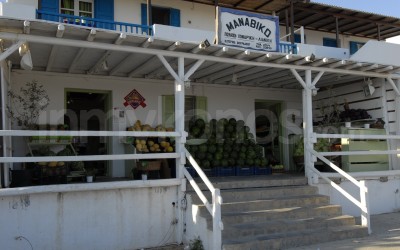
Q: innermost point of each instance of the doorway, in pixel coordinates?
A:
(88, 110)
(269, 130)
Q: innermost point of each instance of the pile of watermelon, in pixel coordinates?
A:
(229, 144)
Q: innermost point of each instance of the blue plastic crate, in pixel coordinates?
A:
(191, 171)
(262, 171)
(210, 172)
(226, 171)
(245, 170)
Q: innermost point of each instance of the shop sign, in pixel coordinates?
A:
(247, 30)
(134, 99)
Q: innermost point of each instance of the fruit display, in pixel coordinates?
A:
(151, 144)
(229, 144)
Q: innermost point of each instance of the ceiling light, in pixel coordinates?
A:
(26, 61)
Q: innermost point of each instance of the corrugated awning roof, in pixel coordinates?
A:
(321, 17)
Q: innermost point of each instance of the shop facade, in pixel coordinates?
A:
(165, 68)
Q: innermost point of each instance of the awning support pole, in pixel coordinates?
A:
(309, 140)
(5, 179)
(395, 88)
(10, 50)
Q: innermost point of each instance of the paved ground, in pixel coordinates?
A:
(385, 235)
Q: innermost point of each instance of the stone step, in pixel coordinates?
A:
(277, 214)
(256, 205)
(284, 226)
(249, 194)
(295, 239)
(251, 181)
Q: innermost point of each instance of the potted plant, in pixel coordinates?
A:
(90, 174)
(27, 104)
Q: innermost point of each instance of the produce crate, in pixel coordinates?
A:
(244, 171)
(226, 171)
(262, 171)
(210, 172)
(149, 165)
(191, 171)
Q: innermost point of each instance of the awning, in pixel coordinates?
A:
(72, 49)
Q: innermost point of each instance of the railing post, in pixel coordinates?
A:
(217, 223)
(364, 199)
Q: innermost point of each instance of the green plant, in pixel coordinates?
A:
(322, 145)
(27, 105)
(196, 244)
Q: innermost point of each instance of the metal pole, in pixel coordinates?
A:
(378, 27)
(337, 32)
(4, 125)
(292, 22)
(149, 15)
(180, 143)
(308, 161)
(287, 24)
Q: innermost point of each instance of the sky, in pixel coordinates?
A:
(383, 7)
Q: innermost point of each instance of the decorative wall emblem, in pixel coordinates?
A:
(134, 99)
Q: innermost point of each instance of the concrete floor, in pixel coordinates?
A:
(385, 235)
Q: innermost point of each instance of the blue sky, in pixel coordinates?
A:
(383, 7)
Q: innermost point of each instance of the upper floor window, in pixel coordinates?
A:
(162, 15)
(329, 42)
(355, 46)
(82, 8)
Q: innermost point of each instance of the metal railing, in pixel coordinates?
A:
(363, 203)
(94, 22)
(214, 208)
(288, 48)
(22, 133)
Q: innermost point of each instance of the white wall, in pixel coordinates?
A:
(123, 218)
(195, 16)
(237, 102)
(384, 197)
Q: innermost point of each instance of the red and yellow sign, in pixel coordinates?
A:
(134, 99)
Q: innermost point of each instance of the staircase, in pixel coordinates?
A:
(276, 212)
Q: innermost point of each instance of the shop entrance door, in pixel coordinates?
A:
(89, 110)
(269, 129)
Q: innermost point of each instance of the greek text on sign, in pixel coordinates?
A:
(247, 30)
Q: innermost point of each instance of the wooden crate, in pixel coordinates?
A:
(361, 163)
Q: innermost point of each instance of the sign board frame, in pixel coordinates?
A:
(247, 30)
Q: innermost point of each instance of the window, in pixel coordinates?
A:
(195, 106)
(297, 38)
(355, 46)
(82, 8)
(162, 15)
(329, 42)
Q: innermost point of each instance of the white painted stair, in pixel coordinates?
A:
(276, 212)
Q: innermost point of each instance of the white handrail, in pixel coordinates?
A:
(87, 133)
(356, 136)
(196, 188)
(215, 210)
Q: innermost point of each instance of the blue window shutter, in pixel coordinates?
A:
(144, 13)
(143, 8)
(175, 17)
(50, 6)
(104, 10)
(353, 47)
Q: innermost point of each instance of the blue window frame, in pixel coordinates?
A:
(329, 42)
(355, 46)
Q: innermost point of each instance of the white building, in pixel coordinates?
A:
(89, 55)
